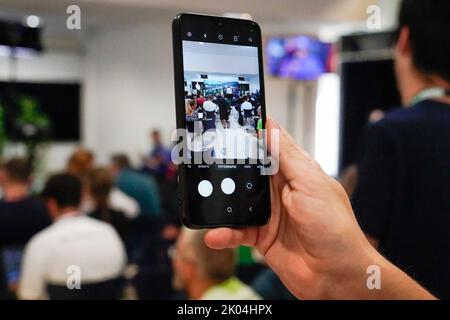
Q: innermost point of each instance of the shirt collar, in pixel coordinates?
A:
(69, 214)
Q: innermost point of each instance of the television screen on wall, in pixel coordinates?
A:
(55, 105)
(299, 57)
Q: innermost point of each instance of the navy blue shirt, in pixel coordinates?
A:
(403, 193)
(19, 221)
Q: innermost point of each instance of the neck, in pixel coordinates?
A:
(197, 288)
(15, 192)
(417, 83)
(67, 210)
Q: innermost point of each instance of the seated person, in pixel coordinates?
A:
(80, 164)
(191, 115)
(210, 108)
(100, 187)
(21, 214)
(207, 274)
(247, 110)
(72, 241)
(141, 187)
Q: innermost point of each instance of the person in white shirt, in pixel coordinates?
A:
(117, 200)
(74, 245)
(120, 201)
(207, 274)
(209, 105)
(247, 109)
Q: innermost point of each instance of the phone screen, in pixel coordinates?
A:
(223, 117)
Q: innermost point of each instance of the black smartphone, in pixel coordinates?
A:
(220, 108)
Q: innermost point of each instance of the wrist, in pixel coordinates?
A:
(351, 282)
(371, 276)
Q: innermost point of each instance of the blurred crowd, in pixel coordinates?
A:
(114, 233)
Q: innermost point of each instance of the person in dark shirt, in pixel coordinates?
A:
(21, 215)
(402, 198)
(224, 110)
(158, 159)
(100, 184)
(141, 187)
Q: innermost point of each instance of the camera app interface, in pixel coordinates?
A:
(223, 122)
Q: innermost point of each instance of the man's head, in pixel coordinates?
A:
(156, 137)
(16, 171)
(197, 267)
(422, 51)
(62, 193)
(81, 162)
(119, 162)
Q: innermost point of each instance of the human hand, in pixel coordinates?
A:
(312, 241)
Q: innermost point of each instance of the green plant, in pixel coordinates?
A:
(33, 126)
(30, 114)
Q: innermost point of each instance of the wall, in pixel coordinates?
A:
(129, 88)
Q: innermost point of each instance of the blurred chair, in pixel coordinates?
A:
(248, 114)
(210, 121)
(107, 290)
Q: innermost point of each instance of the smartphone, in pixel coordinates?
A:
(220, 109)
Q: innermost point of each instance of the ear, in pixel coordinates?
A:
(52, 207)
(403, 46)
(189, 269)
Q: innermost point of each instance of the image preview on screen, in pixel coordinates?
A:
(222, 100)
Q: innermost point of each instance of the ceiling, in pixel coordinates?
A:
(264, 11)
(275, 16)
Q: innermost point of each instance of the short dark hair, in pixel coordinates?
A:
(64, 188)
(18, 169)
(429, 25)
(121, 160)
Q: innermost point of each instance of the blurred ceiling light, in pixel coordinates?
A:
(6, 51)
(33, 21)
(238, 15)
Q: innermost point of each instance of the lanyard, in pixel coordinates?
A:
(430, 93)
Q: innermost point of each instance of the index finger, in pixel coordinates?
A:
(222, 238)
